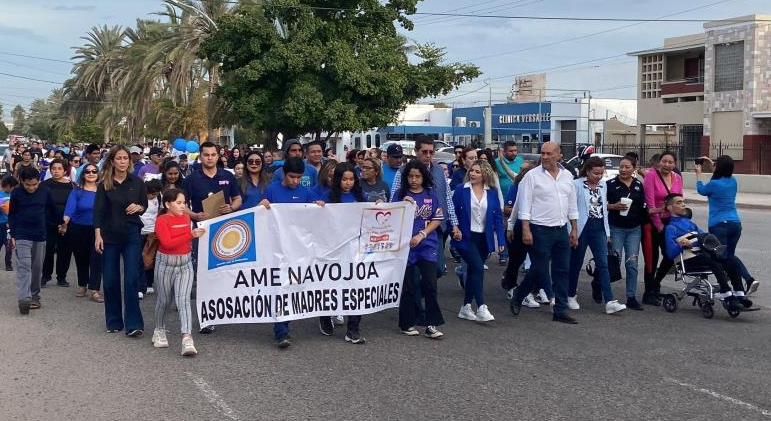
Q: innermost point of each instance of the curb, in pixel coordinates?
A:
(756, 206)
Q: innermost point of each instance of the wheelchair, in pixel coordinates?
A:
(696, 282)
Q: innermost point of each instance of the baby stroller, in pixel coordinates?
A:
(696, 281)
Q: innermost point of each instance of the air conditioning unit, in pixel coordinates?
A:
(474, 124)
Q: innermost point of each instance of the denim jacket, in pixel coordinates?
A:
(582, 196)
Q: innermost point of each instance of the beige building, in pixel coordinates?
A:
(714, 90)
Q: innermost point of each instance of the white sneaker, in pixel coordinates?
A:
(486, 267)
(530, 302)
(159, 339)
(542, 298)
(150, 290)
(614, 307)
(338, 320)
(573, 303)
(188, 349)
(467, 313)
(483, 314)
(510, 293)
(411, 332)
(723, 295)
(141, 296)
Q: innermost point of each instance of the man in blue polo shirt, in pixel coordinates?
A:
(202, 183)
(392, 165)
(293, 149)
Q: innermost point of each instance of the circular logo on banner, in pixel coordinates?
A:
(231, 240)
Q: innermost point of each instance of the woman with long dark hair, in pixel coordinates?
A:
(57, 246)
(416, 187)
(326, 175)
(658, 184)
(254, 181)
(724, 221)
(120, 199)
(171, 175)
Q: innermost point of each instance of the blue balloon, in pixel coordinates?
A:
(192, 146)
(180, 144)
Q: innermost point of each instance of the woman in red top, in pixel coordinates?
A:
(174, 268)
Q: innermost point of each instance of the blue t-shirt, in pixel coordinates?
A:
(4, 198)
(199, 186)
(253, 196)
(721, 195)
(80, 207)
(321, 193)
(310, 176)
(279, 193)
(427, 209)
(389, 174)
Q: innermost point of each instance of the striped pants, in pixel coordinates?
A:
(173, 272)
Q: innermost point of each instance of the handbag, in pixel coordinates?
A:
(149, 250)
(614, 266)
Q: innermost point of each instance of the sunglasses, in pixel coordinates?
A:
(91, 172)
(254, 162)
(76, 161)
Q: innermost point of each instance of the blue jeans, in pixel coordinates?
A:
(550, 245)
(626, 242)
(280, 330)
(593, 236)
(729, 233)
(474, 256)
(130, 250)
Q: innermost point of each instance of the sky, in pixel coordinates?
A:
(502, 48)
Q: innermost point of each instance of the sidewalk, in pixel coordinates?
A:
(743, 200)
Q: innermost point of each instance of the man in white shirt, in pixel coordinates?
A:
(546, 203)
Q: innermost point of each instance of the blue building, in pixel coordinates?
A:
(520, 122)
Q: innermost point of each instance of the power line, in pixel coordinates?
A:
(30, 78)
(467, 7)
(33, 68)
(494, 9)
(5, 53)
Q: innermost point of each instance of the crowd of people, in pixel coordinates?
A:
(141, 205)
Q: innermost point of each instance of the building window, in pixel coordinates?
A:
(729, 67)
(652, 74)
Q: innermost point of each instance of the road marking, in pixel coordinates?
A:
(734, 401)
(213, 397)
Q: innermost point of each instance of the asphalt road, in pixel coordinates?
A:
(59, 364)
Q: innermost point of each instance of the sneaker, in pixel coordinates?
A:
(338, 320)
(134, 333)
(732, 304)
(150, 290)
(486, 268)
(411, 332)
(159, 339)
(650, 299)
(326, 326)
(206, 330)
(541, 297)
(752, 286)
(614, 307)
(510, 293)
(530, 302)
(354, 338)
(632, 303)
(141, 296)
(503, 262)
(284, 342)
(484, 315)
(9, 268)
(744, 301)
(188, 348)
(34, 304)
(467, 313)
(573, 303)
(64, 284)
(24, 307)
(723, 295)
(433, 333)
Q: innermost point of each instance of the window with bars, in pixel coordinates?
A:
(729, 67)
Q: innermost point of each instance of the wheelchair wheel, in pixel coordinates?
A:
(669, 302)
(734, 313)
(707, 311)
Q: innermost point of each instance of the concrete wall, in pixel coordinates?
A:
(654, 111)
(760, 184)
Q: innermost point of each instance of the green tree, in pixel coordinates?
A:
(19, 120)
(4, 132)
(290, 67)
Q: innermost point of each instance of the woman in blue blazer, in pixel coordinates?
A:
(480, 218)
(593, 232)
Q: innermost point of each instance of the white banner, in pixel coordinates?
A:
(298, 261)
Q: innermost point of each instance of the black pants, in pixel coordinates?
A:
(407, 315)
(517, 255)
(725, 270)
(146, 276)
(655, 271)
(57, 244)
(87, 261)
(4, 243)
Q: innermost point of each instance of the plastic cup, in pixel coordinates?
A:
(626, 201)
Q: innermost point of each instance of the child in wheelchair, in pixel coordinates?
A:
(683, 236)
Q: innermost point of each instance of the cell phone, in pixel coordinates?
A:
(699, 161)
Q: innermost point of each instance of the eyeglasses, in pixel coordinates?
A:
(428, 152)
(91, 172)
(254, 162)
(76, 161)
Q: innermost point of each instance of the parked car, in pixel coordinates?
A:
(3, 148)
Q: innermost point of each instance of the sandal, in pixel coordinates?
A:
(81, 292)
(96, 297)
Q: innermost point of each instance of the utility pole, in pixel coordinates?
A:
(489, 116)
